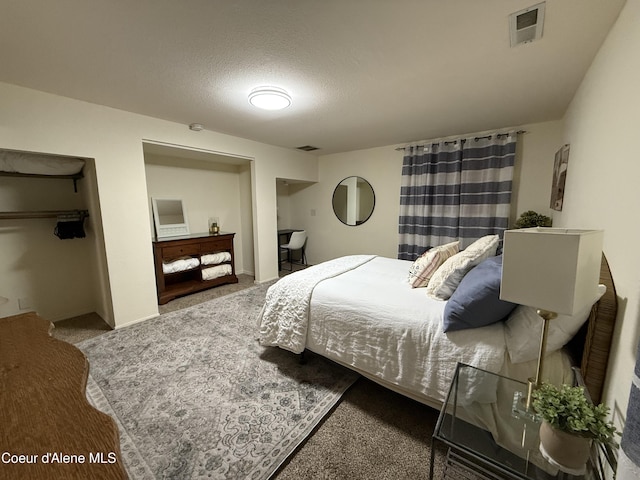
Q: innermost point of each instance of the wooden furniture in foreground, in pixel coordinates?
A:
(172, 285)
(48, 430)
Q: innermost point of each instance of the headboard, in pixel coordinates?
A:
(592, 343)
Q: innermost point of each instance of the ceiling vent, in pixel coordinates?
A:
(526, 25)
(307, 148)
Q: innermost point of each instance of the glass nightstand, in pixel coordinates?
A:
(485, 433)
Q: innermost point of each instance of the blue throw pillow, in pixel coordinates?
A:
(476, 302)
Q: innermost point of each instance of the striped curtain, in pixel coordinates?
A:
(455, 190)
(629, 461)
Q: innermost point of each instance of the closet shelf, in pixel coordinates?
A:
(79, 214)
(75, 177)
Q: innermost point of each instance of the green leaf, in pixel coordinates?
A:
(567, 408)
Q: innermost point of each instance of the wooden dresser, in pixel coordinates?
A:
(48, 430)
(208, 260)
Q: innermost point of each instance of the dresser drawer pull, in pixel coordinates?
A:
(179, 251)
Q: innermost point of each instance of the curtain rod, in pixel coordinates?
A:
(480, 137)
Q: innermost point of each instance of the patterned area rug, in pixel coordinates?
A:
(196, 396)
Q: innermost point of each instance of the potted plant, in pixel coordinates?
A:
(533, 219)
(570, 423)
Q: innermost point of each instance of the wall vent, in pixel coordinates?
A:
(307, 148)
(526, 25)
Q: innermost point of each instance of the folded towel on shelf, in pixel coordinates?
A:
(215, 272)
(215, 258)
(180, 265)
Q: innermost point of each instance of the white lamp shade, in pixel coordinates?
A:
(553, 269)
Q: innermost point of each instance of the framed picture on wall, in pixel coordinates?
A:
(559, 178)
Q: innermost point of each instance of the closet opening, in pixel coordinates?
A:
(213, 187)
(53, 260)
(291, 218)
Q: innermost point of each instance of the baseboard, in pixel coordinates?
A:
(259, 282)
(133, 322)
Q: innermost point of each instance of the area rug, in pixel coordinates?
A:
(195, 396)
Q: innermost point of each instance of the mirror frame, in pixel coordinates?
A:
(335, 193)
(164, 230)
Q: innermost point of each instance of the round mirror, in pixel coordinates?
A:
(353, 201)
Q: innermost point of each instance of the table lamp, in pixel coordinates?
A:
(555, 270)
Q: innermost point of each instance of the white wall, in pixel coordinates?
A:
(330, 238)
(283, 204)
(535, 155)
(247, 244)
(40, 122)
(601, 125)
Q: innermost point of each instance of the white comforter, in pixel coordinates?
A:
(284, 318)
(370, 319)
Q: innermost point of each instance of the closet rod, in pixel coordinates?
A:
(81, 214)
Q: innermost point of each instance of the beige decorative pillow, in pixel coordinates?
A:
(427, 263)
(447, 278)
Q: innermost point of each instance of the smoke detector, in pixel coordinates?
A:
(526, 25)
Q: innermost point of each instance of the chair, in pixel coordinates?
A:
(296, 242)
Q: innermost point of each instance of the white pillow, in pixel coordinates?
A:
(446, 279)
(524, 327)
(427, 263)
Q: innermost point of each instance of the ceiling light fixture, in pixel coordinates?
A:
(269, 98)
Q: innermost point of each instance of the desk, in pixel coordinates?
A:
(44, 412)
(284, 236)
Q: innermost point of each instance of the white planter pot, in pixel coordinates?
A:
(563, 450)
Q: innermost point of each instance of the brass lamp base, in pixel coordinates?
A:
(546, 316)
(523, 406)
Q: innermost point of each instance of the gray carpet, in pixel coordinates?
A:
(372, 433)
(195, 396)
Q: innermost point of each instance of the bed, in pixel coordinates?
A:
(361, 312)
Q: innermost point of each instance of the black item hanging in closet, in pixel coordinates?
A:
(70, 227)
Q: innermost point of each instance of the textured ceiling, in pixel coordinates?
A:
(362, 73)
